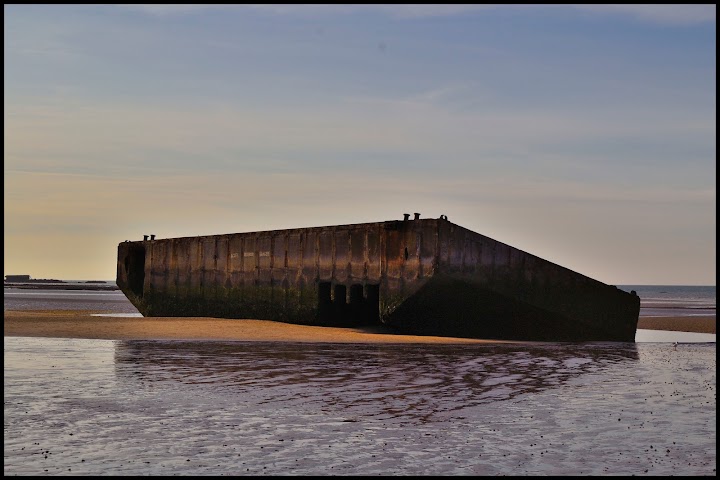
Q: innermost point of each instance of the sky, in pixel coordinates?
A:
(584, 135)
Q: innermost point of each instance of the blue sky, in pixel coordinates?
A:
(581, 134)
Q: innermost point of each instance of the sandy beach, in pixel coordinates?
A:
(83, 324)
(679, 324)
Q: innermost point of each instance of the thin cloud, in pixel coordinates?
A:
(170, 9)
(665, 14)
(680, 14)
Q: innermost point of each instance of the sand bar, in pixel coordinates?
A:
(704, 324)
(82, 324)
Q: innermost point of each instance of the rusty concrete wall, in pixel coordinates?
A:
(590, 304)
(288, 275)
(499, 291)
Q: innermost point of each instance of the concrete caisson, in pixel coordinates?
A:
(419, 276)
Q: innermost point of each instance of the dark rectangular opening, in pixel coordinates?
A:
(356, 306)
(135, 269)
(371, 314)
(359, 310)
(340, 294)
(324, 303)
(340, 305)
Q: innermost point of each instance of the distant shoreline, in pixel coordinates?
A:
(62, 285)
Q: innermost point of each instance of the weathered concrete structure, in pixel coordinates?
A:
(421, 276)
(17, 278)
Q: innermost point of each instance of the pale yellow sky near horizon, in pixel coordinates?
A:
(535, 126)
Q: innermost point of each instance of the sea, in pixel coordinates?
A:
(107, 407)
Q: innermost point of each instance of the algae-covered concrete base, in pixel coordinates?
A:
(422, 276)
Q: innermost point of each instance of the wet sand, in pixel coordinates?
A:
(82, 324)
(679, 324)
(100, 407)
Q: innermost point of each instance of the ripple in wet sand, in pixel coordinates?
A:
(100, 407)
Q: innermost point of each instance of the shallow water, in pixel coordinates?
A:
(101, 407)
(39, 299)
(654, 336)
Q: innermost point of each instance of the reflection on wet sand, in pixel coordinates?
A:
(417, 383)
(101, 407)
